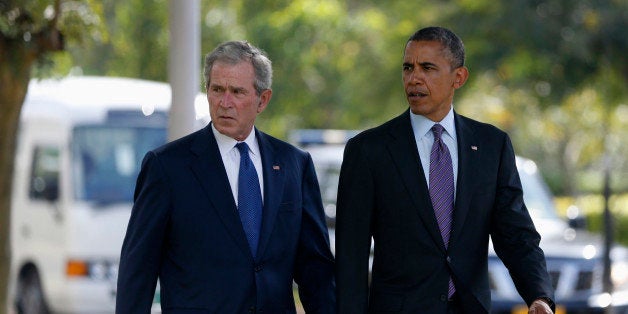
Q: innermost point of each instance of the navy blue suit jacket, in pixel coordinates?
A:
(383, 194)
(186, 231)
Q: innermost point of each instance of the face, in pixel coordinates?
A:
(429, 80)
(233, 102)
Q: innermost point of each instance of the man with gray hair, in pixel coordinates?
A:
(228, 217)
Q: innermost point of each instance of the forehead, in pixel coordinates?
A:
(241, 73)
(424, 51)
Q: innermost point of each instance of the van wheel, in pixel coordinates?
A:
(30, 297)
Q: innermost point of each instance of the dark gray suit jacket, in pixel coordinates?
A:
(383, 193)
(185, 230)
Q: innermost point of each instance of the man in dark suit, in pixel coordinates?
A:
(227, 217)
(429, 187)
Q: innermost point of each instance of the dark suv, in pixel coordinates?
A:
(574, 256)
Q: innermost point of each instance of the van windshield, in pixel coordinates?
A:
(107, 159)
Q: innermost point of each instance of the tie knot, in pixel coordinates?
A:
(243, 148)
(437, 129)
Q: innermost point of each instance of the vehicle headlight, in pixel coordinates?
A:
(600, 300)
(589, 251)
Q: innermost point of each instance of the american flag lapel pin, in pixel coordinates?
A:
(275, 167)
(473, 147)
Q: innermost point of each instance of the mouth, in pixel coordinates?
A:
(226, 118)
(416, 94)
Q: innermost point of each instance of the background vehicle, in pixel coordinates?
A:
(574, 256)
(80, 144)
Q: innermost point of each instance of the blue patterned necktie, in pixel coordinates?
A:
(249, 198)
(442, 188)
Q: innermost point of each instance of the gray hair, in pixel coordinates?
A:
(233, 52)
(450, 41)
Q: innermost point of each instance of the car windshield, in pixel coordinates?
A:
(106, 160)
(536, 194)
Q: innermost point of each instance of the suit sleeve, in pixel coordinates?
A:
(514, 236)
(314, 266)
(141, 249)
(354, 210)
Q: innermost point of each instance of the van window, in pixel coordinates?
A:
(107, 159)
(44, 182)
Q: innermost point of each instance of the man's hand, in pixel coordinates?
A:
(540, 307)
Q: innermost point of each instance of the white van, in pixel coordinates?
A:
(80, 144)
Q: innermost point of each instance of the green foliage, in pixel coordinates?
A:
(18, 17)
(553, 41)
(592, 207)
(81, 20)
(552, 73)
(136, 44)
(76, 19)
(29, 31)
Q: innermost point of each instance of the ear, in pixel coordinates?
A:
(462, 74)
(264, 99)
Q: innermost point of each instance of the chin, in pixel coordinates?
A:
(225, 130)
(419, 109)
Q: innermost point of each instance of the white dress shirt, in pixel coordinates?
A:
(422, 128)
(231, 159)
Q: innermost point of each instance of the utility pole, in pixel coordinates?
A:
(608, 232)
(183, 65)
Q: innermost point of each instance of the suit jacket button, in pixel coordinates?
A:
(443, 297)
(258, 268)
(252, 309)
(448, 260)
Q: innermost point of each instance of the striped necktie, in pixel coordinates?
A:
(442, 188)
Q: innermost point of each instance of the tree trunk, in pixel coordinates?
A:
(15, 69)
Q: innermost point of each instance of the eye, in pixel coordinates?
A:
(406, 68)
(239, 92)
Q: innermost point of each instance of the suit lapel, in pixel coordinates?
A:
(467, 165)
(273, 170)
(405, 155)
(210, 172)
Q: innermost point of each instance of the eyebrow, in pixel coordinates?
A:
(230, 88)
(238, 89)
(422, 64)
(425, 64)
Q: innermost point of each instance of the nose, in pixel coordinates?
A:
(225, 100)
(416, 76)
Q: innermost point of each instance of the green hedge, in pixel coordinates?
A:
(592, 207)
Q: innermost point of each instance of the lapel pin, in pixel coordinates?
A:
(275, 167)
(474, 147)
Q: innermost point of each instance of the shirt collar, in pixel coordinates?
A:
(226, 143)
(422, 125)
